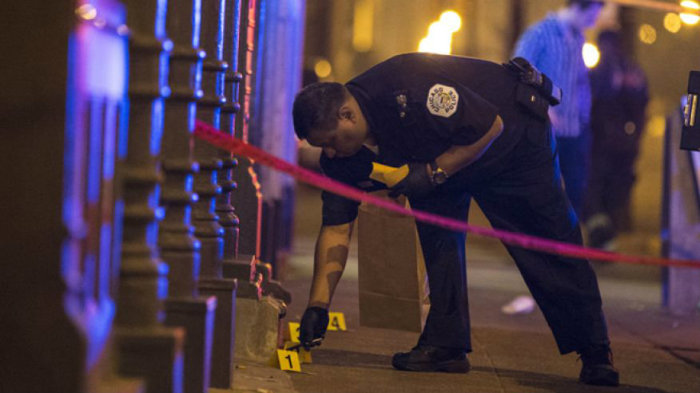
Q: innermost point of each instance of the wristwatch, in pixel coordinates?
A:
(437, 174)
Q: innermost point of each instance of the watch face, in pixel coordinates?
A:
(439, 176)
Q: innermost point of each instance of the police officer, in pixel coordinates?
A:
(456, 128)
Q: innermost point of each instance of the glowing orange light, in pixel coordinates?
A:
(672, 22)
(591, 55)
(439, 38)
(86, 11)
(688, 18)
(647, 34)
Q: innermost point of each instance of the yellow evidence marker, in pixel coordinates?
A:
(336, 321)
(294, 331)
(304, 355)
(288, 360)
(388, 175)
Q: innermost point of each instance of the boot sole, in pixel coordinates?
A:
(602, 382)
(601, 377)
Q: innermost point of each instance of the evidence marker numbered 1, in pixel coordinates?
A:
(304, 355)
(288, 360)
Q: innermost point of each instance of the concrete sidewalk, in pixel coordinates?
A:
(511, 353)
(655, 352)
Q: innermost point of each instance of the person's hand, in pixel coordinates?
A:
(313, 327)
(417, 182)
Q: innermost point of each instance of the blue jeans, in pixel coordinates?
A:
(573, 161)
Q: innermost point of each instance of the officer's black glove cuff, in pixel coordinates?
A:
(313, 327)
(416, 184)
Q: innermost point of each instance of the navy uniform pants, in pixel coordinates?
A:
(523, 195)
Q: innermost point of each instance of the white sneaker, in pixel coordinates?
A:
(520, 305)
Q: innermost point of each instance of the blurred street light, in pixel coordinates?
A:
(322, 68)
(363, 25)
(690, 18)
(672, 22)
(439, 38)
(647, 34)
(688, 10)
(86, 12)
(591, 55)
(451, 20)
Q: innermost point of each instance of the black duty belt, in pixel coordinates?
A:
(536, 92)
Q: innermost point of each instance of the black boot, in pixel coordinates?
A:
(598, 367)
(430, 358)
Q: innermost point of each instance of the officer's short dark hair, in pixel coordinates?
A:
(316, 107)
(583, 3)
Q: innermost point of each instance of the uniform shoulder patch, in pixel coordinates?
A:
(442, 100)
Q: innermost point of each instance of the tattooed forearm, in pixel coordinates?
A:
(337, 254)
(332, 278)
(329, 263)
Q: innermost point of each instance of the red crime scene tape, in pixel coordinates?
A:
(236, 146)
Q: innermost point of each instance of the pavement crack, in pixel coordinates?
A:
(673, 351)
(491, 364)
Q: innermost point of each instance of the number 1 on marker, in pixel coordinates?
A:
(288, 360)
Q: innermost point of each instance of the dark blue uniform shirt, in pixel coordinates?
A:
(417, 106)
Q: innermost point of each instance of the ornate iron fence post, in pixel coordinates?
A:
(178, 244)
(207, 227)
(227, 213)
(248, 195)
(214, 186)
(143, 279)
(184, 306)
(240, 262)
(234, 266)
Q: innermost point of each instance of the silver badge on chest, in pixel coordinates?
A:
(442, 100)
